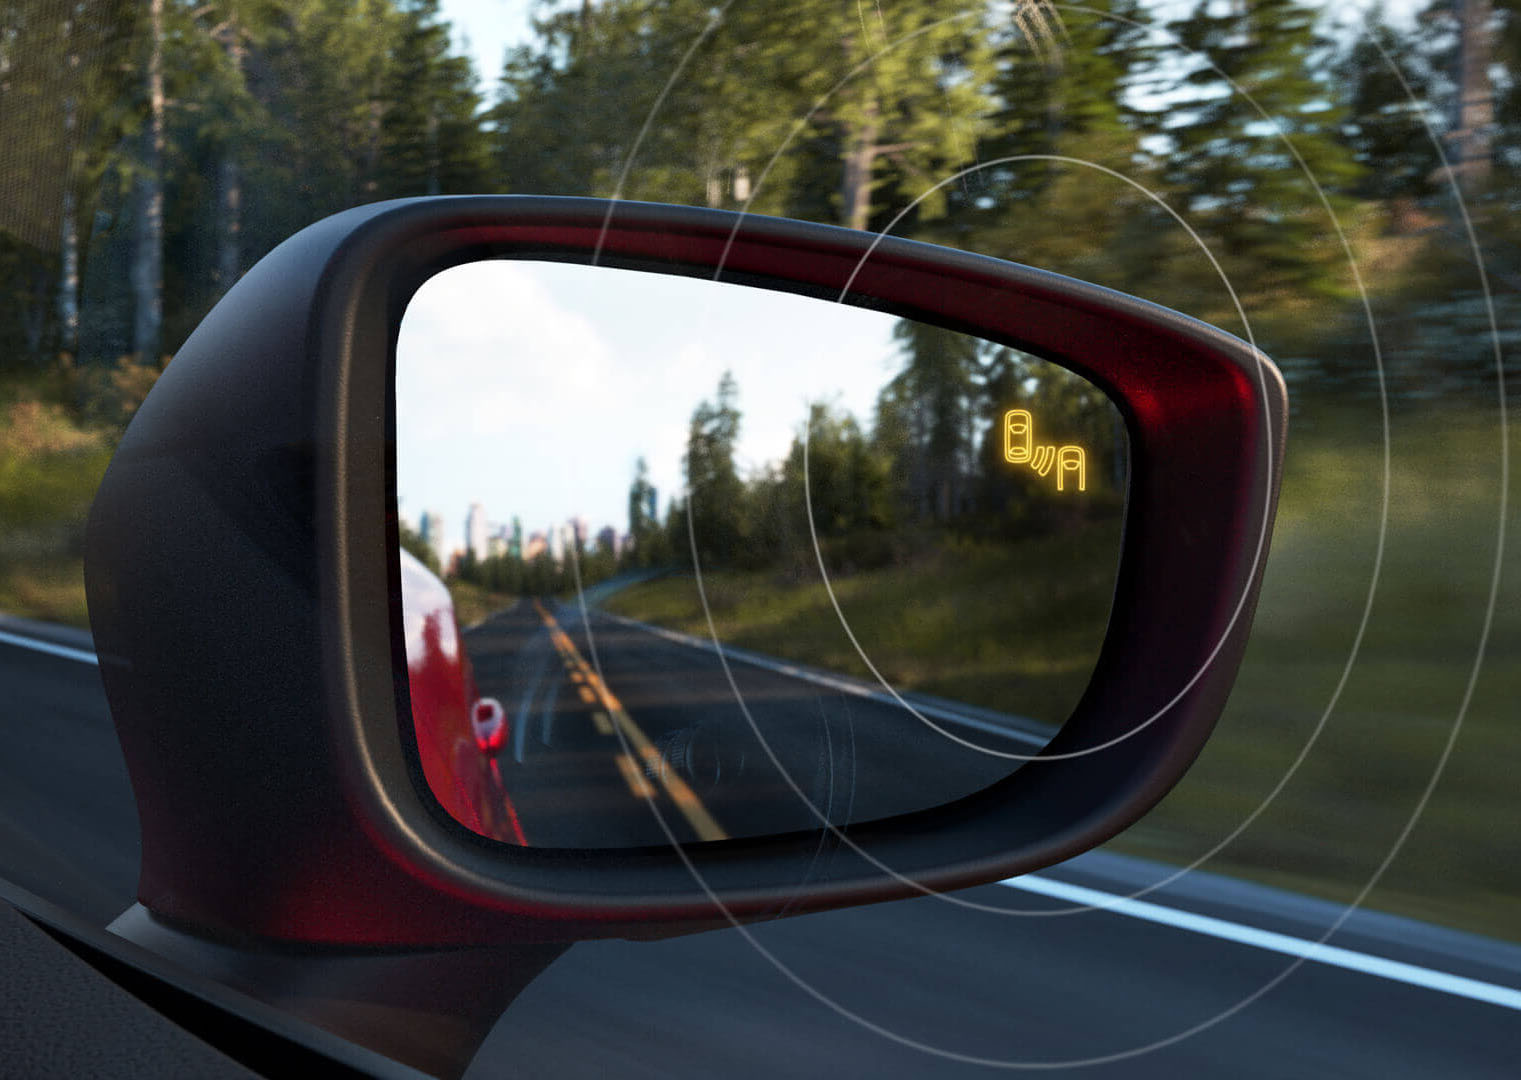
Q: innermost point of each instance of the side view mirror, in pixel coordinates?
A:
(245, 573)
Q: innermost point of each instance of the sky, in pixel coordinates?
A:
(533, 387)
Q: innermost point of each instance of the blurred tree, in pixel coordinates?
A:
(430, 141)
(925, 417)
(895, 96)
(1072, 98)
(1384, 128)
(62, 114)
(715, 494)
(1233, 172)
(642, 522)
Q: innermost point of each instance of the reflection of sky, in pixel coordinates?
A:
(531, 388)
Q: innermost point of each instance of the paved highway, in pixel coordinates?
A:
(606, 714)
(1398, 999)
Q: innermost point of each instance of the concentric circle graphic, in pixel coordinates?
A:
(1469, 687)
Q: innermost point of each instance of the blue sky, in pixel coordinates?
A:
(532, 388)
(492, 26)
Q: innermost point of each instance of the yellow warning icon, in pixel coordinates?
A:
(1020, 448)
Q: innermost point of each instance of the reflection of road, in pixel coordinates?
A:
(572, 686)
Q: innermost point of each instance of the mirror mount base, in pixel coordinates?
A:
(427, 1008)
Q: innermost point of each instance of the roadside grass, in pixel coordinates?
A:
(1335, 820)
(1331, 826)
(48, 589)
(955, 622)
(50, 467)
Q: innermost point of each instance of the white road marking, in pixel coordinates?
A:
(1222, 929)
(84, 656)
(525, 703)
(1242, 934)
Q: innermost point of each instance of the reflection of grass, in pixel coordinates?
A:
(472, 603)
(955, 623)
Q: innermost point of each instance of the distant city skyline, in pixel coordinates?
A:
(489, 538)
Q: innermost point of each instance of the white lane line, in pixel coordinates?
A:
(856, 689)
(525, 703)
(1334, 955)
(84, 656)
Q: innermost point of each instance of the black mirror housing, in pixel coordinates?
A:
(242, 574)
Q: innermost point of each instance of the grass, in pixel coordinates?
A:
(50, 590)
(1364, 778)
(1362, 781)
(50, 466)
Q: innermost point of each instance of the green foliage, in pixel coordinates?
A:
(642, 522)
(1235, 169)
(1384, 126)
(715, 495)
(49, 465)
(430, 137)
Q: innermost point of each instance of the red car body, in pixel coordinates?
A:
(459, 733)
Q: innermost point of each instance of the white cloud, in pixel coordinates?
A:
(533, 387)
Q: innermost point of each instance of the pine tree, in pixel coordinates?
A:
(1068, 97)
(1385, 128)
(1230, 169)
(430, 141)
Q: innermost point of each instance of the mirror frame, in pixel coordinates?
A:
(269, 753)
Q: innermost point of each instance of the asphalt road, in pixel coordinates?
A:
(1404, 999)
(606, 714)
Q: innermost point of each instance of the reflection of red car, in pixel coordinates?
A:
(459, 733)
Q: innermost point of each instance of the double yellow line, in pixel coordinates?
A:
(593, 690)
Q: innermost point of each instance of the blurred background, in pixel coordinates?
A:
(153, 150)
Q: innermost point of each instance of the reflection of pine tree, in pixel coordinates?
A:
(715, 494)
(641, 518)
(924, 416)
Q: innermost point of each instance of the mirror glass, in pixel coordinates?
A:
(707, 558)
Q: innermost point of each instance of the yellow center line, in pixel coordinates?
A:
(684, 797)
(603, 725)
(633, 777)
